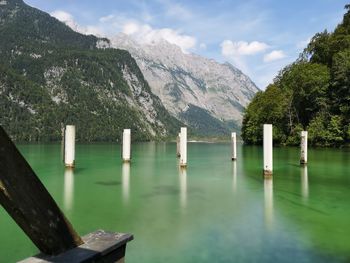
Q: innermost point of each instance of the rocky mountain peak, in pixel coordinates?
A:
(184, 81)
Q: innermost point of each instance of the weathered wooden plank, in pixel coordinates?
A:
(29, 203)
(99, 246)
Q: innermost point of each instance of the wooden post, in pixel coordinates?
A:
(303, 148)
(234, 146)
(69, 146)
(28, 202)
(178, 145)
(267, 150)
(126, 145)
(183, 147)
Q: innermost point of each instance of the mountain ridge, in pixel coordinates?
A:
(54, 76)
(63, 63)
(181, 79)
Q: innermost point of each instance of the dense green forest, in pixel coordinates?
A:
(312, 94)
(51, 76)
(206, 126)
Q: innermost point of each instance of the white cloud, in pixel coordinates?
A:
(107, 18)
(68, 19)
(93, 30)
(134, 28)
(242, 48)
(274, 55)
(236, 52)
(144, 33)
(202, 46)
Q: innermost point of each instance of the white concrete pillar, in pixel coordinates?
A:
(178, 145)
(303, 148)
(234, 146)
(268, 149)
(69, 146)
(183, 147)
(126, 150)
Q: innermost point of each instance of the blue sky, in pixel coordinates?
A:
(259, 37)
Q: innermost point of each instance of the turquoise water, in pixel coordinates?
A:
(214, 211)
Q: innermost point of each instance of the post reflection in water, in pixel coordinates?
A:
(126, 181)
(183, 187)
(68, 188)
(234, 176)
(304, 183)
(268, 194)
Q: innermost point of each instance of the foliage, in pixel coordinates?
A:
(340, 87)
(51, 76)
(311, 94)
(203, 123)
(267, 107)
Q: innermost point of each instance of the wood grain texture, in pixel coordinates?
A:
(28, 202)
(99, 246)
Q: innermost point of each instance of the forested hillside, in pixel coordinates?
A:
(51, 76)
(311, 94)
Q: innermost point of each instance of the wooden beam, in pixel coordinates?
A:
(99, 246)
(28, 202)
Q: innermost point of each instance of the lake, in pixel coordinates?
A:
(214, 211)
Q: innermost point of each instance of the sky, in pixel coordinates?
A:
(259, 37)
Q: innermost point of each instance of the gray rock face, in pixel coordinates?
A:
(183, 80)
(51, 75)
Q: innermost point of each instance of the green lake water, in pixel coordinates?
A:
(214, 211)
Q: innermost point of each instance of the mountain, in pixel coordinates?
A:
(206, 95)
(51, 75)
